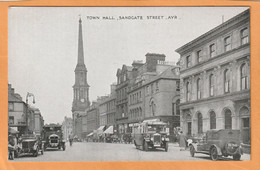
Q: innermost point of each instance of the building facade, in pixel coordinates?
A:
(21, 116)
(67, 127)
(124, 75)
(154, 92)
(35, 121)
(92, 117)
(80, 88)
(17, 110)
(215, 79)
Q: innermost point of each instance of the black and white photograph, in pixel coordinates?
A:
(93, 84)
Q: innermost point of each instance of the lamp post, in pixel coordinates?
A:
(27, 96)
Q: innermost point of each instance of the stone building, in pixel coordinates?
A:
(23, 117)
(123, 78)
(35, 121)
(215, 79)
(80, 88)
(107, 111)
(102, 111)
(67, 127)
(92, 117)
(17, 110)
(154, 91)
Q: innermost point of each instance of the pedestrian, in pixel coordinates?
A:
(182, 141)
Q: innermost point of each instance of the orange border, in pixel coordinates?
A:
(255, 69)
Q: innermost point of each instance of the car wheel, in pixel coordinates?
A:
(36, 152)
(145, 145)
(166, 147)
(192, 151)
(237, 157)
(135, 144)
(214, 154)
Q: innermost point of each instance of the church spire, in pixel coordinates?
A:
(80, 45)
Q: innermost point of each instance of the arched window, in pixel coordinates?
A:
(188, 88)
(227, 81)
(153, 108)
(198, 88)
(244, 36)
(228, 119)
(200, 123)
(243, 73)
(212, 120)
(211, 85)
(178, 107)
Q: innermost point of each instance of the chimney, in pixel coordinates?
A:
(152, 60)
(137, 63)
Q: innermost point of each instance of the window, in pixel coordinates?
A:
(199, 56)
(243, 74)
(188, 88)
(211, 85)
(173, 108)
(227, 81)
(244, 36)
(198, 88)
(178, 107)
(177, 85)
(228, 119)
(200, 123)
(147, 89)
(245, 122)
(189, 128)
(188, 59)
(212, 50)
(227, 42)
(10, 106)
(153, 108)
(212, 120)
(124, 77)
(11, 120)
(157, 86)
(152, 88)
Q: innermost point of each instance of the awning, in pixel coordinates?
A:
(109, 130)
(90, 134)
(101, 128)
(12, 131)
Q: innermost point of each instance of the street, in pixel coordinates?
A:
(84, 151)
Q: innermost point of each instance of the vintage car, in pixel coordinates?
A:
(150, 134)
(217, 143)
(53, 138)
(28, 144)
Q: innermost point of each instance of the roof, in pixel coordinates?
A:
(222, 26)
(13, 98)
(52, 125)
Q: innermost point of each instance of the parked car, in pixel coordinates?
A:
(218, 143)
(29, 144)
(53, 138)
(151, 134)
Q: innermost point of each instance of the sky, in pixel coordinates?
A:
(43, 41)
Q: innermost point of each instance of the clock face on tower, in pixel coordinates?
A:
(82, 100)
